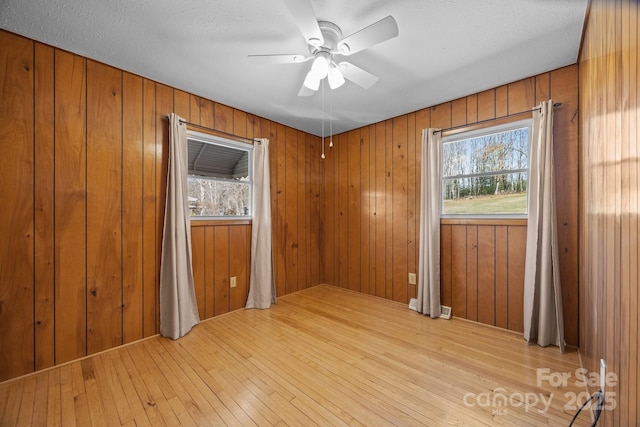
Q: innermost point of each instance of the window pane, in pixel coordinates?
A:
(209, 197)
(491, 153)
(491, 194)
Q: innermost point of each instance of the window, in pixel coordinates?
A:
(485, 172)
(220, 176)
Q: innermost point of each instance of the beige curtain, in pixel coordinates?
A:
(178, 306)
(543, 321)
(429, 256)
(262, 291)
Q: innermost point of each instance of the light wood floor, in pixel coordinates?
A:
(323, 356)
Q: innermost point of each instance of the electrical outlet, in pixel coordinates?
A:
(412, 278)
(232, 282)
(603, 375)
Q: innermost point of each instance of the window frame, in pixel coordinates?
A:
(479, 132)
(214, 139)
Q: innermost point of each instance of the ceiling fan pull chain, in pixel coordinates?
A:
(330, 120)
(322, 89)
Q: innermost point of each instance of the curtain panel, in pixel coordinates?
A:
(428, 301)
(543, 321)
(262, 290)
(178, 305)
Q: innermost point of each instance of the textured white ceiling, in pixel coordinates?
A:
(445, 49)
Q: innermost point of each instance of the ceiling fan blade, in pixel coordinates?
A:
(305, 91)
(380, 31)
(278, 59)
(305, 17)
(357, 75)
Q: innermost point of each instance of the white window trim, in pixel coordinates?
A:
(485, 131)
(225, 142)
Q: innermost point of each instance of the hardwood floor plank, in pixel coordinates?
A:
(25, 416)
(322, 356)
(53, 399)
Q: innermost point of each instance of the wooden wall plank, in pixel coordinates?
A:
(372, 208)
(104, 207)
(486, 274)
(182, 104)
(224, 118)
(445, 265)
(17, 189)
(308, 194)
(459, 270)
(210, 272)
(221, 287)
(502, 101)
(342, 194)
(365, 195)
(441, 116)
(194, 109)
(44, 178)
(516, 241)
(280, 244)
(273, 192)
(380, 211)
(291, 213)
(502, 291)
(316, 213)
(400, 202)
(521, 95)
(250, 127)
(472, 108)
(238, 253)
(353, 210)
(459, 112)
(413, 224)
(472, 272)
(70, 207)
(487, 105)
(240, 123)
(543, 88)
(625, 365)
(329, 235)
(149, 276)
(132, 202)
(198, 251)
(207, 113)
(389, 208)
(303, 210)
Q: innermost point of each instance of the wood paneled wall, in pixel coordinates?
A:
(482, 271)
(82, 178)
(371, 208)
(610, 183)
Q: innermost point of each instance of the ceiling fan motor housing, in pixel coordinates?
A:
(331, 34)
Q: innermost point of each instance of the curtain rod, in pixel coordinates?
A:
(557, 104)
(221, 132)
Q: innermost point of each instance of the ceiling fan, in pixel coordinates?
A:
(326, 44)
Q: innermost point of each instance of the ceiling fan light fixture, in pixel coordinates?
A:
(312, 81)
(320, 66)
(335, 77)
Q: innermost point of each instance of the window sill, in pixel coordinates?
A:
(197, 222)
(482, 221)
